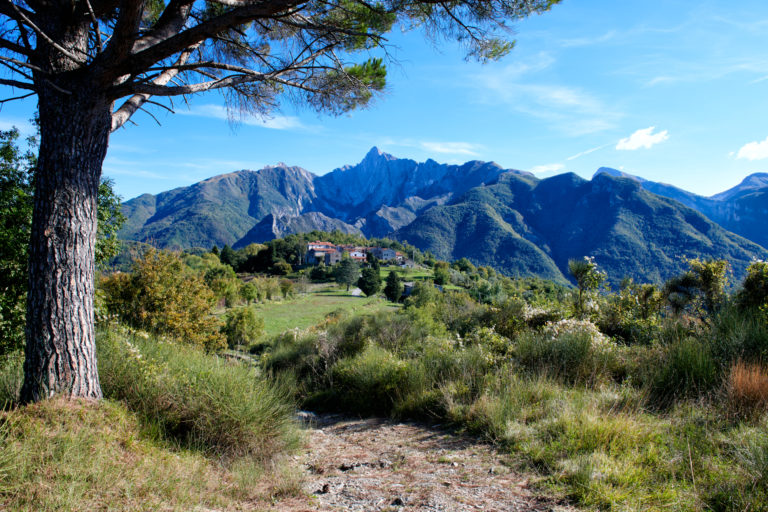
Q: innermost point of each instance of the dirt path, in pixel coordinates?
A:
(379, 465)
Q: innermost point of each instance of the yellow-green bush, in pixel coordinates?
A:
(163, 296)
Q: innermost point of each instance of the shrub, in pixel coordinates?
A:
(199, 400)
(571, 350)
(754, 289)
(373, 381)
(162, 297)
(242, 326)
(747, 389)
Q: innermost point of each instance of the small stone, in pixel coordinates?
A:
(454, 464)
(324, 490)
(492, 470)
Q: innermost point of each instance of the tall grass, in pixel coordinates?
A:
(194, 399)
(11, 377)
(747, 389)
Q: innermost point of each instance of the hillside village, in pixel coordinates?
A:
(330, 254)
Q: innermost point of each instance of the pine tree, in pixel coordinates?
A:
(369, 282)
(394, 287)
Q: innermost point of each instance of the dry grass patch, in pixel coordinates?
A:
(747, 388)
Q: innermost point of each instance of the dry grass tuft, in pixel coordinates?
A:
(747, 388)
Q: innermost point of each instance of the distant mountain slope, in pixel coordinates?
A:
(376, 196)
(526, 226)
(271, 227)
(742, 209)
(504, 218)
(219, 210)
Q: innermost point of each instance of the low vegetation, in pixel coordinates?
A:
(642, 398)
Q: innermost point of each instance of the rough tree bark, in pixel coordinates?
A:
(75, 121)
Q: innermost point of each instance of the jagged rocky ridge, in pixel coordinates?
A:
(504, 218)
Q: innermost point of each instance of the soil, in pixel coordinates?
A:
(382, 465)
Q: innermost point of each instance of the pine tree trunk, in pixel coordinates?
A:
(61, 350)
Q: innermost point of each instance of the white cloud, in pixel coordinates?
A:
(644, 138)
(754, 150)
(220, 112)
(451, 148)
(540, 169)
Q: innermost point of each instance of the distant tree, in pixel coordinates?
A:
(588, 279)
(286, 288)
(319, 272)
(227, 256)
(464, 265)
(281, 268)
(215, 250)
(394, 287)
(442, 275)
(370, 281)
(347, 272)
(242, 326)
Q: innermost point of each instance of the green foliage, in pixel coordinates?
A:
(346, 272)
(161, 296)
(441, 275)
(242, 326)
(221, 279)
(110, 220)
(16, 200)
(700, 290)
(281, 268)
(15, 222)
(754, 289)
(393, 289)
(370, 281)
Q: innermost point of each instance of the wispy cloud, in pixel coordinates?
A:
(644, 138)
(220, 112)
(541, 169)
(588, 151)
(571, 110)
(451, 148)
(754, 150)
(588, 41)
(457, 148)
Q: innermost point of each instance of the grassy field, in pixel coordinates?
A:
(310, 309)
(407, 274)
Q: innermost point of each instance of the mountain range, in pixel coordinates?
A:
(505, 218)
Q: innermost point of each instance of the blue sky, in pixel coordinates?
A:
(674, 91)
